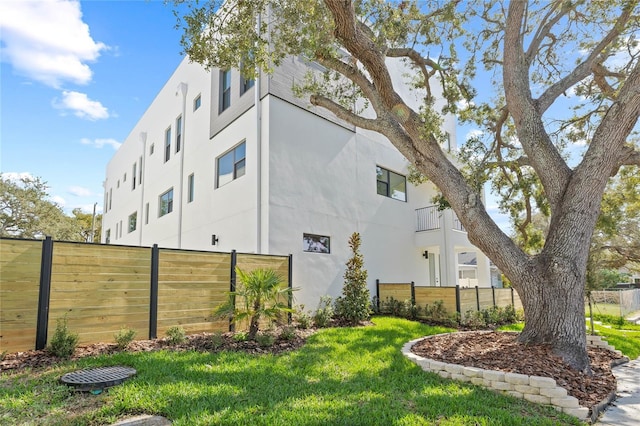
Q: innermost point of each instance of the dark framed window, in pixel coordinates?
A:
(107, 236)
(197, 102)
(231, 165)
(152, 148)
(178, 133)
(133, 220)
(146, 214)
(190, 188)
(391, 184)
(225, 90)
(316, 243)
(140, 177)
(167, 144)
(133, 176)
(166, 203)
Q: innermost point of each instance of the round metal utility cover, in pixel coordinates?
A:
(97, 378)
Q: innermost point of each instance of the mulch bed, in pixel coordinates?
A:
(501, 352)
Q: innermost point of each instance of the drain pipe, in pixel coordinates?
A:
(182, 88)
(257, 89)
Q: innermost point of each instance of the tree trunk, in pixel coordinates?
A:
(554, 315)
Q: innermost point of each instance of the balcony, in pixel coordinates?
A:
(429, 219)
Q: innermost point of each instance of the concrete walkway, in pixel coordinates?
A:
(625, 409)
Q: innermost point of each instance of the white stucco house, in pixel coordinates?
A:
(219, 163)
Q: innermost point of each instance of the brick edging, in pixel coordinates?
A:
(541, 390)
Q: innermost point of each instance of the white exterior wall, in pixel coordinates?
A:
(317, 177)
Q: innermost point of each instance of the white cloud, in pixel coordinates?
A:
(474, 133)
(46, 40)
(59, 200)
(79, 191)
(17, 176)
(100, 143)
(81, 106)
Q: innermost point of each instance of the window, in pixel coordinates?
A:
(190, 188)
(246, 84)
(197, 102)
(133, 218)
(166, 203)
(124, 179)
(225, 90)
(120, 229)
(116, 230)
(118, 184)
(133, 176)
(391, 184)
(107, 236)
(316, 243)
(231, 165)
(167, 144)
(146, 214)
(106, 201)
(178, 133)
(151, 149)
(140, 177)
(110, 197)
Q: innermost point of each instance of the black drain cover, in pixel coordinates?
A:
(97, 378)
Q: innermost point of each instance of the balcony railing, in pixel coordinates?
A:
(428, 218)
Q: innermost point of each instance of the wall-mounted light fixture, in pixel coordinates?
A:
(214, 240)
(425, 254)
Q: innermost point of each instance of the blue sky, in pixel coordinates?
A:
(75, 78)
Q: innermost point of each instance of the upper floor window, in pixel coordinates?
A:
(140, 177)
(110, 197)
(133, 176)
(107, 236)
(225, 90)
(166, 203)
(152, 148)
(133, 219)
(391, 184)
(178, 133)
(190, 188)
(197, 102)
(231, 165)
(167, 144)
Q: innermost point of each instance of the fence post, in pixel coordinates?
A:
(290, 278)
(493, 295)
(153, 292)
(413, 293)
(478, 298)
(378, 294)
(513, 300)
(44, 293)
(458, 299)
(232, 286)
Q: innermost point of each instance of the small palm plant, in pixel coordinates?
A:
(259, 295)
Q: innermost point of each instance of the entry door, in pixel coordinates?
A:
(434, 270)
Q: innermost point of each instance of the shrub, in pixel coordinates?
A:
(436, 313)
(124, 337)
(474, 320)
(324, 313)
(287, 333)
(216, 340)
(241, 336)
(63, 342)
(176, 335)
(265, 340)
(302, 318)
(353, 306)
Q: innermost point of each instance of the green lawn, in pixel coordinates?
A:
(342, 376)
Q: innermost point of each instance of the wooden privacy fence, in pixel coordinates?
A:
(454, 299)
(102, 288)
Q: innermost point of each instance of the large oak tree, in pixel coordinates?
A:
(542, 52)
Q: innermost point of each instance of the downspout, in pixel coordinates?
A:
(258, 151)
(182, 87)
(143, 139)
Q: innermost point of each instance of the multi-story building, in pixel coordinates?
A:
(219, 162)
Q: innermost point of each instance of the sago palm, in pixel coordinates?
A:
(259, 295)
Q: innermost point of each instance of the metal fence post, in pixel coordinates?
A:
(153, 292)
(413, 293)
(458, 299)
(44, 293)
(232, 286)
(378, 294)
(290, 284)
(478, 298)
(493, 295)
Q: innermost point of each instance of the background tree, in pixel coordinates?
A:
(86, 222)
(539, 52)
(27, 212)
(354, 305)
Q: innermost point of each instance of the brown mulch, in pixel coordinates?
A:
(500, 351)
(201, 342)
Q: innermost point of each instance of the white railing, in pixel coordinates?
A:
(457, 224)
(427, 218)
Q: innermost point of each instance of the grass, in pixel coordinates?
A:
(609, 309)
(342, 376)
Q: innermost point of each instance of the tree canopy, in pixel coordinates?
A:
(540, 54)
